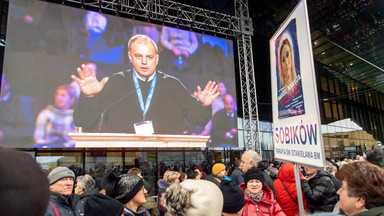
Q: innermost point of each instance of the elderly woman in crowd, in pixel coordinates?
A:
(362, 192)
(258, 196)
(151, 204)
(169, 178)
(85, 187)
(84, 183)
(129, 190)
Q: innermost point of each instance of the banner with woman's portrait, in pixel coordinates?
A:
(290, 91)
(296, 116)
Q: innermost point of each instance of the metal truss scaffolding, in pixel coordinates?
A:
(165, 12)
(247, 78)
(196, 19)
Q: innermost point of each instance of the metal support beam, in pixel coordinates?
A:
(247, 79)
(167, 12)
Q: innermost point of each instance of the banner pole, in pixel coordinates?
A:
(298, 189)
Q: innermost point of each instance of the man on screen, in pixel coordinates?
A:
(143, 96)
(224, 131)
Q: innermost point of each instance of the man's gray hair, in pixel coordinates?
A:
(86, 182)
(254, 156)
(141, 37)
(329, 167)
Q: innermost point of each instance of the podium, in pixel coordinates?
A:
(124, 140)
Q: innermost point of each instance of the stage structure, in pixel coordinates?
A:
(247, 78)
(174, 14)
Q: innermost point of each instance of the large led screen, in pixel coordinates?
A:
(48, 44)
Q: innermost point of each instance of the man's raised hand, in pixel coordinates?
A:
(88, 82)
(210, 92)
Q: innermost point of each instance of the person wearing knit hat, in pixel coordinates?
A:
(218, 173)
(219, 169)
(251, 159)
(254, 174)
(59, 173)
(151, 204)
(233, 198)
(193, 198)
(61, 182)
(129, 190)
(259, 199)
(101, 205)
(24, 188)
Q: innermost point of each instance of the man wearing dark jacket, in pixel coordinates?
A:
(61, 180)
(251, 159)
(237, 172)
(218, 174)
(319, 190)
(164, 103)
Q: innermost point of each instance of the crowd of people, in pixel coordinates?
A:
(356, 189)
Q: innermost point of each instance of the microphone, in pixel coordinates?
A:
(111, 105)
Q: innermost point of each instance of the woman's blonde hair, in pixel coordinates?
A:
(286, 40)
(170, 176)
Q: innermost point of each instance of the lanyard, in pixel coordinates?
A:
(140, 95)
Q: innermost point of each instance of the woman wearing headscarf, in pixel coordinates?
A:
(129, 190)
(258, 196)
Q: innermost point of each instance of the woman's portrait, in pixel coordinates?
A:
(286, 62)
(289, 85)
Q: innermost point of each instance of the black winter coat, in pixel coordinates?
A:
(62, 205)
(320, 192)
(212, 178)
(237, 176)
(79, 200)
(336, 182)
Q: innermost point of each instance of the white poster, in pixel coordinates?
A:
(296, 116)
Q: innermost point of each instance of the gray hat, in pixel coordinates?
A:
(59, 173)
